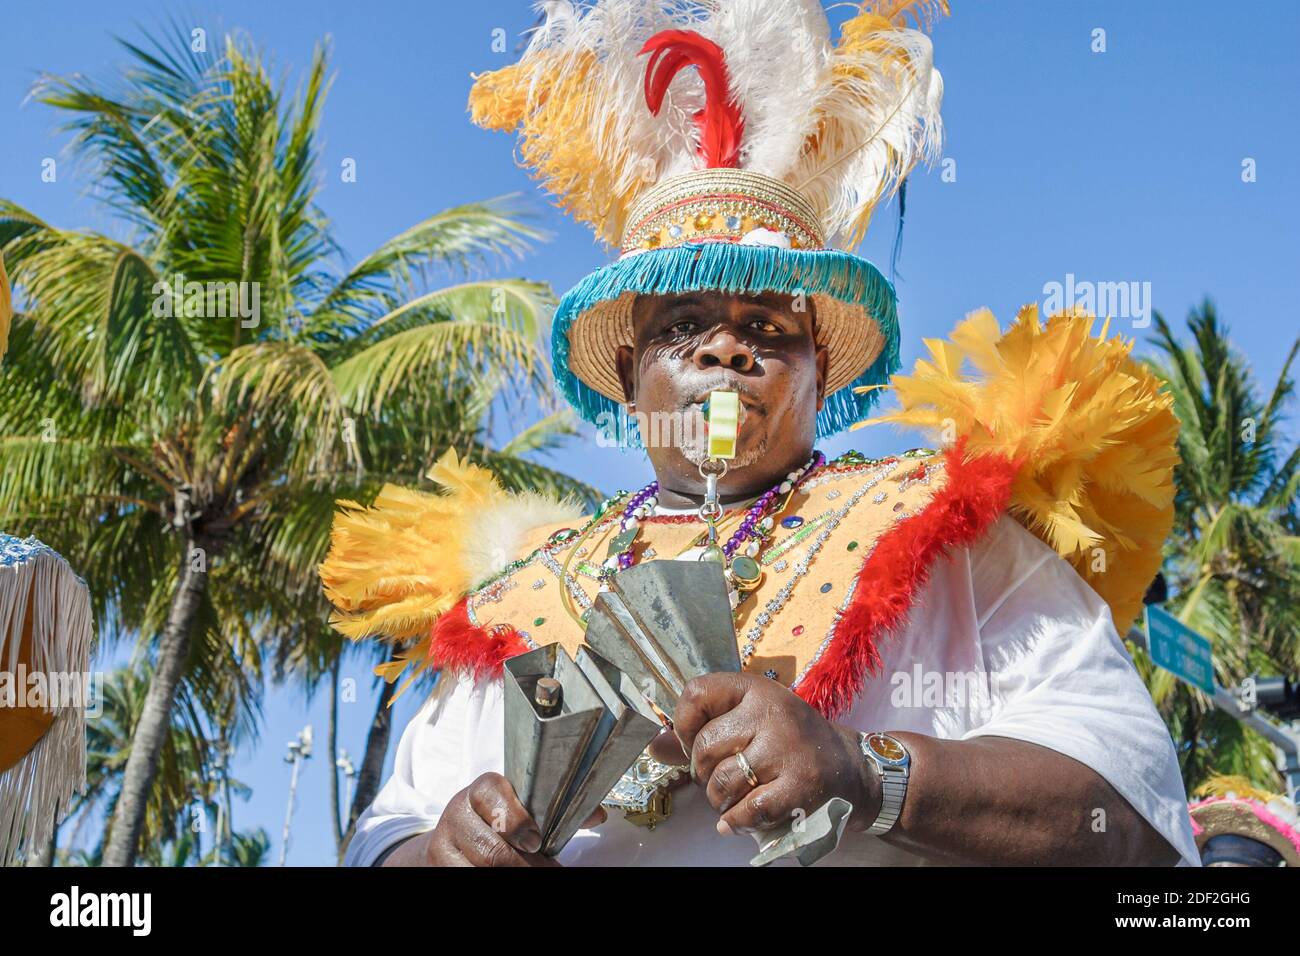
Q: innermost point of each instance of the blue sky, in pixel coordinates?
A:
(1117, 166)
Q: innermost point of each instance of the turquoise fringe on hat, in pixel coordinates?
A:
(736, 269)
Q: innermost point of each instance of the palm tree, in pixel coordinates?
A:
(185, 764)
(1234, 557)
(249, 848)
(186, 459)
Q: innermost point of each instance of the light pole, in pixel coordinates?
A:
(344, 763)
(299, 750)
(219, 765)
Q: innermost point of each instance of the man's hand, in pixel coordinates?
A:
(483, 825)
(800, 758)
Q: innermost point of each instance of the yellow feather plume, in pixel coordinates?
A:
(1092, 431)
(559, 127)
(393, 567)
(1221, 785)
(880, 116)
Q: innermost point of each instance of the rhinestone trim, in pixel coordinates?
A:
(853, 586)
(785, 544)
(578, 594)
(746, 198)
(773, 606)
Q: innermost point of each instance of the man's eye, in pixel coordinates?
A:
(682, 327)
(763, 325)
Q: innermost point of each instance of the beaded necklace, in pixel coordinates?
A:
(742, 570)
(752, 528)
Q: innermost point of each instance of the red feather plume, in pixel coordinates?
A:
(460, 646)
(720, 122)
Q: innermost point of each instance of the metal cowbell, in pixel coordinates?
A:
(663, 623)
(566, 747)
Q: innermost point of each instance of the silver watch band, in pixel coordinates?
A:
(893, 786)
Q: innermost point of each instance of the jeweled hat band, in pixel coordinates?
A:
(722, 205)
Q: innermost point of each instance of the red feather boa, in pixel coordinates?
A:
(470, 648)
(975, 495)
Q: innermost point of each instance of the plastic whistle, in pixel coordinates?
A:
(722, 423)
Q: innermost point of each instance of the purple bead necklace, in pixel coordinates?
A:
(752, 526)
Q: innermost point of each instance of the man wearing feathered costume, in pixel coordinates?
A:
(929, 639)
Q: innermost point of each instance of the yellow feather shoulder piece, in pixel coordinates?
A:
(393, 567)
(1090, 428)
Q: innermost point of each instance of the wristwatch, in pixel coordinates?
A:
(893, 763)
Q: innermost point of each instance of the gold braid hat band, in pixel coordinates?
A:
(720, 205)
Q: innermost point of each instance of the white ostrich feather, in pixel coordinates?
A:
(628, 138)
(778, 60)
(496, 536)
(880, 117)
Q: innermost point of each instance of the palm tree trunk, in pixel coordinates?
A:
(334, 753)
(155, 719)
(372, 767)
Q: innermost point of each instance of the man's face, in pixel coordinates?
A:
(760, 346)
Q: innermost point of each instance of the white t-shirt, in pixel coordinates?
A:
(1047, 668)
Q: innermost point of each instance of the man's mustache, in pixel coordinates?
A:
(698, 389)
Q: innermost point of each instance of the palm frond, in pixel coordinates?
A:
(461, 238)
(141, 419)
(1232, 561)
(427, 356)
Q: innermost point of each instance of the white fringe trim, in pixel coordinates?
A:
(43, 782)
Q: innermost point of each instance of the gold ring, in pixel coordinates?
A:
(747, 770)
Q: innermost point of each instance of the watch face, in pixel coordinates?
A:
(886, 748)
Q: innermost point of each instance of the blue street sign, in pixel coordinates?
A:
(1180, 650)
